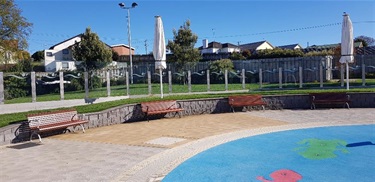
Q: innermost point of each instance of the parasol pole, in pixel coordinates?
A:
(347, 75)
(161, 82)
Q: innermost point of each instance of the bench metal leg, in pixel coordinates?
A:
(31, 137)
(179, 114)
(83, 129)
(347, 104)
(312, 106)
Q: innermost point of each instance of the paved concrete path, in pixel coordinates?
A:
(147, 151)
(23, 107)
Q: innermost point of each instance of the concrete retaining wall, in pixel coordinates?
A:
(133, 112)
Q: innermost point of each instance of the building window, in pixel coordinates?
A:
(65, 51)
(65, 65)
(49, 54)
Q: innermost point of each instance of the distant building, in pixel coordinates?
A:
(60, 56)
(327, 47)
(122, 49)
(370, 50)
(256, 46)
(291, 47)
(217, 47)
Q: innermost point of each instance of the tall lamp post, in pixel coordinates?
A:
(122, 5)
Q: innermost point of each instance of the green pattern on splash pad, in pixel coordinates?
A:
(317, 149)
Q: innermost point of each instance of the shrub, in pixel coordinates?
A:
(219, 66)
(74, 85)
(16, 87)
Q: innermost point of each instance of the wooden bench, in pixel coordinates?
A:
(329, 99)
(245, 101)
(160, 107)
(56, 120)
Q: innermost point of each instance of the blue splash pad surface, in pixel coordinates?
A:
(353, 157)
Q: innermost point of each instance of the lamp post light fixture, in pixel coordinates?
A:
(122, 5)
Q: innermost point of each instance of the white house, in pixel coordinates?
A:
(217, 47)
(59, 56)
(291, 47)
(256, 46)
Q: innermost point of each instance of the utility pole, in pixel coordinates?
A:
(213, 33)
(146, 46)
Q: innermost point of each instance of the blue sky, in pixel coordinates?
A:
(222, 21)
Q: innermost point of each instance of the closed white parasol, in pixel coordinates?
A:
(159, 50)
(347, 45)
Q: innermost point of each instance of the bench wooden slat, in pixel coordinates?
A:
(60, 125)
(160, 107)
(329, 99)
(48, 121)
(245, 100)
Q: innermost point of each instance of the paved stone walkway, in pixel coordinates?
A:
(23, 107)
(147, 151)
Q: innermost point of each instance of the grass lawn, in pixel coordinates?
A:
(135, 89)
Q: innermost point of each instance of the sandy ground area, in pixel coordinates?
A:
(171, 132)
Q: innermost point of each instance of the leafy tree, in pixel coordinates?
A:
(38, 55)
(93, 53)
(246, 54)
(321, 53)
(115, 56)
(23, 55)
(221, 65)
(237, 56)
(14, 30)
(182, 47)
(278, 53)
(366, 41)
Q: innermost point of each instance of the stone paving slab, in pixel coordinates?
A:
(165, 141)
(60, 160)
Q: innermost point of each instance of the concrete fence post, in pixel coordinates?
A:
(300, 77)
(149, 82)
(2, 88)
(61, 75)
(86, 74)
(108, 83)
(127, 82)
(208, 80)
(260, 78)
(33, 86)
(170, 81)
(189, 81)
(321, 75)
(363, 72)
(226, 79)
(243, 76)
(280, 77)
